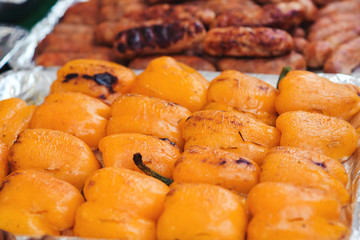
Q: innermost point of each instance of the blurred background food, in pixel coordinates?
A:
(259, 36)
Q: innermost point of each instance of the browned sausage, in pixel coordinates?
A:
(299, 44)
(317, 52)
(192, 61)
(344, 59)
(263, 65)
(172, 12)
(82, 13)
(330, 30)
(245, 41)
(50, 59)
(331, 19)
(341, 7)
(279, 15)
(162, 38)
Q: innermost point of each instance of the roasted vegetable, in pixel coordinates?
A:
(62, 155)
(86, 119)
(159, 154)
(285, 211)
(230, 131)
(307, 169)
(4, 153)
(331, 136)
(202, 211)
(173, 81)
(275, 226)
(292, 201)
(120, 204)
(97, 78)
(151, 116)
(15, 117)
(219, 167)
(303, 90)
(245, 93)
(36, 203)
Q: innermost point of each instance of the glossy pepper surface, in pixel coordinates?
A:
(132, 113)
(61, 154)
(331, 136)
(97, 78)
(36, 203)
(15, 116)
(245, 93)
(173, 81)
(74, 113)
(158, 154)
(121, 204)
(230, 131)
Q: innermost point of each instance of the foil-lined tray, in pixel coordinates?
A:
(33, 84)
(9, 35)
(22, 55)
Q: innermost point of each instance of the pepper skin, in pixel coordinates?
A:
(36, 203)
(219, 167)
(86, 119)
(331, 136)
(4, 153)
(158, 154)
(173, 81)
(121, 204)
(275, 226)
(132, 113)
(303, 90)
(230, 131)
(305, 169)
(96, 78)
(202, 211)
(15, 116)
(292, 201)
(64, 156)
(245, 93)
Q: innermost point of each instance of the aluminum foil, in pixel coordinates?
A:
(9, 35)
(33, 85)
(23, 51)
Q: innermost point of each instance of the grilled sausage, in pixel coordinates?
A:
(50, 59)
(332, 19)
(166, 11)
(299, 44)
(341, 7)
(328, 31)
(317, 52)
(345, 58)
(82, 13)
(250, 42)
(279, 15)
(263, 65)
(158, 38)
(192, 61)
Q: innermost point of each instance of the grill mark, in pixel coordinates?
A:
(242, 160)
(320, 164)
(70, 76)
(104, 79)
(157, 35)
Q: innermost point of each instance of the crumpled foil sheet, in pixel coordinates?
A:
(33, 84)
(23, 51)
(9, 35)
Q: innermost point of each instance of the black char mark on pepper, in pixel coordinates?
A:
(242, 160)
(167, 140)
(70, 76)
(106, 79)
(320, 164)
